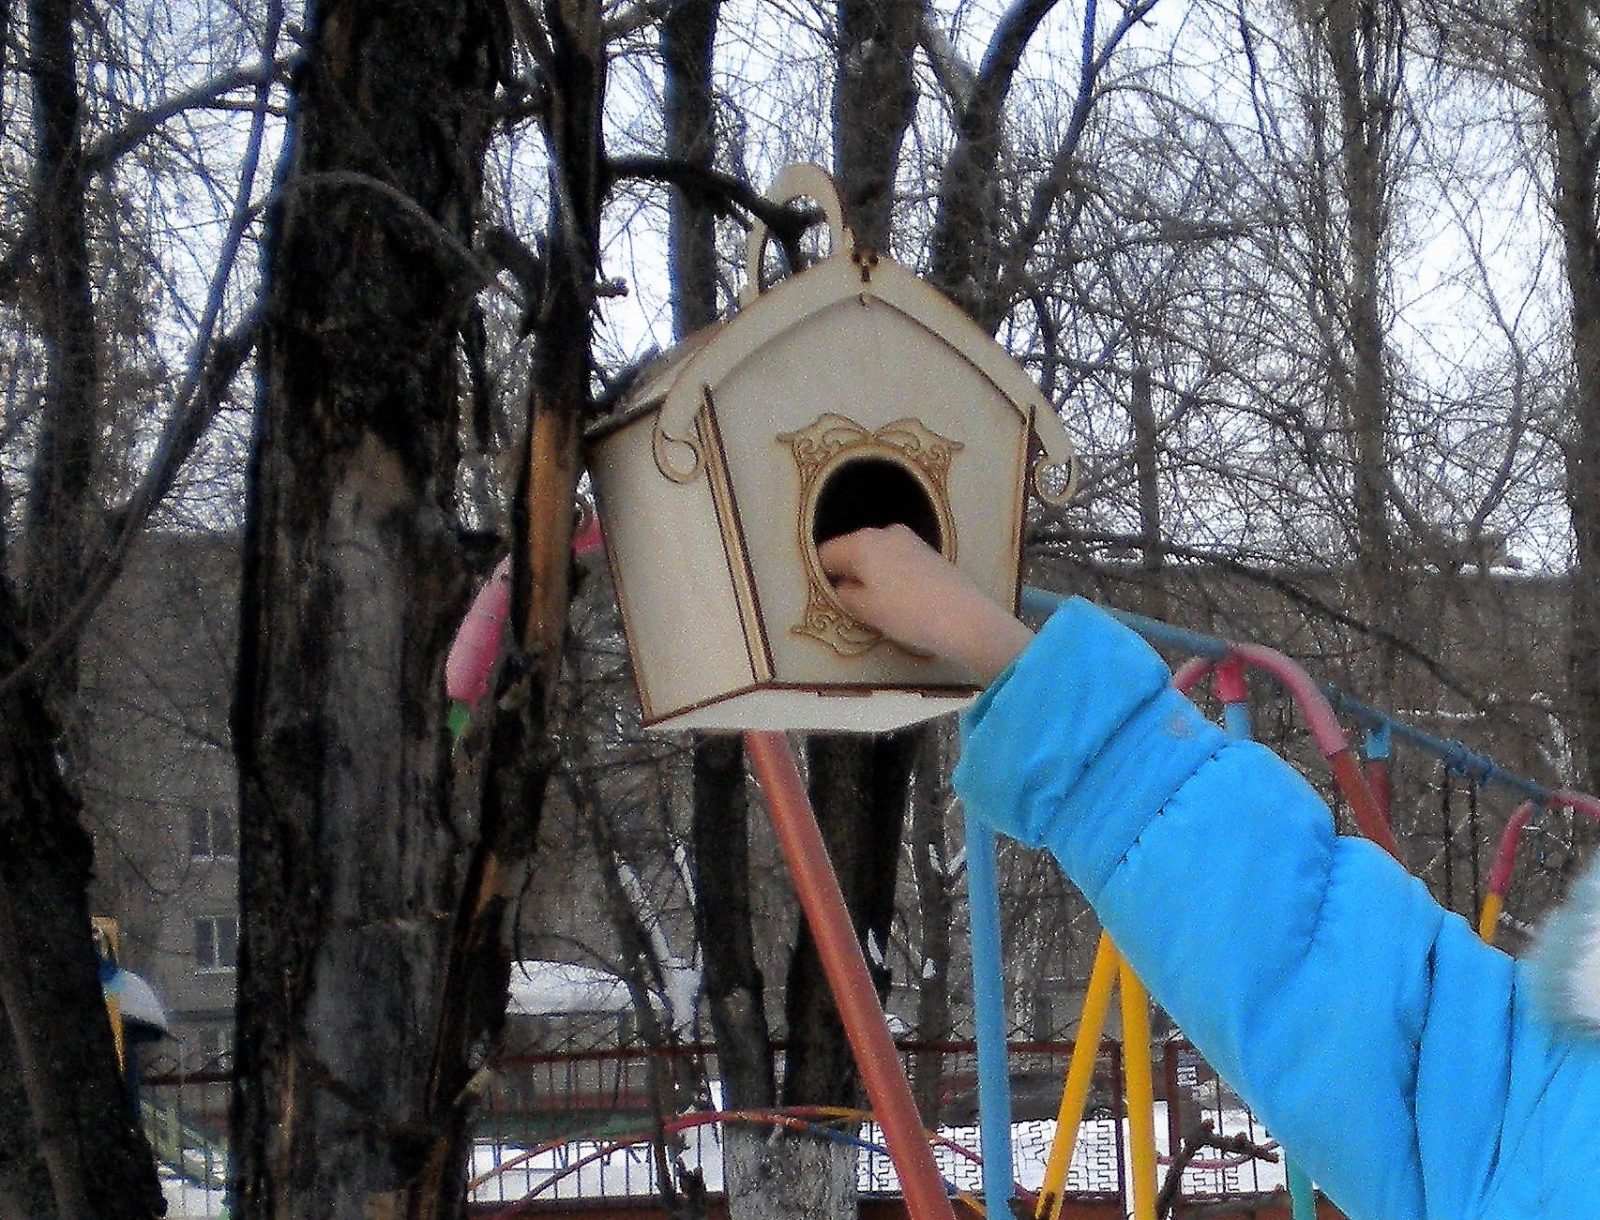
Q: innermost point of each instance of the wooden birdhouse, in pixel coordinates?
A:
(849, 394)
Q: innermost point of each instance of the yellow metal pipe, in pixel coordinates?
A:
(1141, 1092)
(1080, 1073)
(1489, 921)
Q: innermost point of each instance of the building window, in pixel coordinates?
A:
(211, 835)
(216, 942)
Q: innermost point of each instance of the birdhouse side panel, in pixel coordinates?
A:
(679, 577)
(861, 415)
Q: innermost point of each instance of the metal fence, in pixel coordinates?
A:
(581, 1125)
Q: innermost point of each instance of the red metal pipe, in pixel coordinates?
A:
(1323, 724)
(816, 884)
(1352, 781)
(1381, 781)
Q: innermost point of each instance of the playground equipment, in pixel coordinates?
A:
(850, 394)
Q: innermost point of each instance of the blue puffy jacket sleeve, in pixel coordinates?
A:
(1392, 1053)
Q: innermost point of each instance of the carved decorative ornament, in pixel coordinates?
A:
(819, 450)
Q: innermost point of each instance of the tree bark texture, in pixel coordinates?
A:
(857, 786)
(24, 1179)
(734, 986)
(859, 790)
(1571, 119)
(720, 818)
(350, 860)
(966, 260)
(59, 493)
(936, 914)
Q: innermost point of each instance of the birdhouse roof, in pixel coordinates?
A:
(676, 382)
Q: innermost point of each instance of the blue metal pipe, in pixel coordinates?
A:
(1236, 719)
(989, 1006)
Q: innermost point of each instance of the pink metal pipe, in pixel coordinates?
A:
(816, 884)
(1578, 802)
(1505, 859)
(1323, 725)
(1191, 673)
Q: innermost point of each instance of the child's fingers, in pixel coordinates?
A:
(841, 558)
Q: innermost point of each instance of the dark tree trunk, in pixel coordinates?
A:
(858, 787)
(58, 503)
(84, 1128)
(1147, 468)
(874, 98)
(720, 832)
(1361, 40)
(81, 1125)
(24, 1179)
(734, 986)
(1567, 95)
(966, 259)
(859, 790)
(350, 856)
(688, 35)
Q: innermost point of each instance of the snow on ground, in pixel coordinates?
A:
(581, 1169)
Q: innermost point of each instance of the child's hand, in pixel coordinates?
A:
(894, 582)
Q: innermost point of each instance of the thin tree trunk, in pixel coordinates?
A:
(874, 98)
(59, 493)
(1362, 43)
(936, 901)
(349, 865)
(859, 791)
(720, 831)
(60, 1056)
(521, 751)
(1147, 467)
(1571, 119)
(83, 1121)
(858, 788)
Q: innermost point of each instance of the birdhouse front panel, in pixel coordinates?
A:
(861, 417)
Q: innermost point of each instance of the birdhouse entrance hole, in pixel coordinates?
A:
(874, 492)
